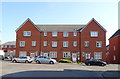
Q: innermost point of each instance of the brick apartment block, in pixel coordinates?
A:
(74, 42)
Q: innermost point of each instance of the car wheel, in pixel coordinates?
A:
(37, 62)
(102, 64)
(89, 64)
(26, 61)
(51, 62)
(14, 61)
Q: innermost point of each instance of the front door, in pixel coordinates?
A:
(87, 56)
(74, 57)
(32, 55)
(45, 54)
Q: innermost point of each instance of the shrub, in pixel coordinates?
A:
(79, 62)
(65, 61)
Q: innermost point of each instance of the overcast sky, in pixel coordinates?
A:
(15, 13)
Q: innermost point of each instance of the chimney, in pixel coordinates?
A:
(119, 15)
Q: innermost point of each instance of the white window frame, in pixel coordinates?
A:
(86, 43)
(87, 55)
(54, 43)
(45, 33)
(53, 54)
(66, 55)
(75, 43)
(65, 44)
(25, 53)
(44, 43)
(22, 43)
(94, 33)
(26, 33)
(74, 33)
(65, 34)
(33, 43)
(98, 44)
(54, 34)
(97, 55)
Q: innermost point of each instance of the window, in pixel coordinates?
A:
(45, 33)
(98, 55)
(74, 33)
(65, 44)
(66, 54)
(22, 43)
(98, 44)
(114, 58)
(45, 43)
(65, 34)
(53, 54)
(27, 33)
(75, 43)
(86, 43)
(54, 44)
(22, 54)
(33, 43)
(54, 33)
(87, 55)
(94, 34)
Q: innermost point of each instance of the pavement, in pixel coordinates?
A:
(71, 70)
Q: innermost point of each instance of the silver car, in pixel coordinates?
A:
(22, 59)
(44, 59)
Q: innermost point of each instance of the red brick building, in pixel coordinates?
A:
(114, 48)
(75, 42)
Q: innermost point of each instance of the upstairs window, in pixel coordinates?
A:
(65, 44)
(86, 43)
(75, 43)
(94, 34)
(22, 43)
(99, 44)
(45, 33)
(54, 44)
(65, 34)
(27, 33)
(54, 33)
(74, 33)
(33, 43)
(45, 43)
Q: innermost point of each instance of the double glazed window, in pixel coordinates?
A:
(65, 44)
(86, 43)
(53, 54)
(74, 33)
(27, 33)
(66, 54)
(54, 34)
(45, 43)
(33, 43)
(75, 43)
(65, 34)
(45, 33)
(22, 43)
(98, 55)
(99, 44)
(94, 34)
(54, 44)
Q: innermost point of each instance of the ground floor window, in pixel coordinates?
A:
(87, 55)
(98, 55)
(66, 54)
(53, 54)
(22, 54)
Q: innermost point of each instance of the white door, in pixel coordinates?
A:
(74, 57)
(32, 55)
(45, 54)
(87, 55)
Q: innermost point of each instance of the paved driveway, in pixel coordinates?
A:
(54, 70)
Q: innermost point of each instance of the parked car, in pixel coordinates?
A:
(26, 59)
(44, 59)
(95, 62)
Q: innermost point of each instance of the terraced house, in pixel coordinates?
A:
(74, 42)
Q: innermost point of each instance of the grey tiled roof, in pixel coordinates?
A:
(9, 43)
(115, 34)
(59, 28)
